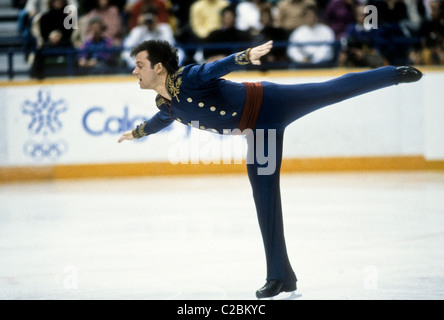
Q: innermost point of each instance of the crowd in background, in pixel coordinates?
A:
(306, 32)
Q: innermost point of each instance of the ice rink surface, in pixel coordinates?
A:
(349, 236)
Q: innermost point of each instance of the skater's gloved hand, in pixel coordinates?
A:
(257, 52)
(126, 136)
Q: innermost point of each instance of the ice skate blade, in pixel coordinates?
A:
(283, 296)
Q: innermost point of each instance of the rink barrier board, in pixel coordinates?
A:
(105, 170)
(121, 170)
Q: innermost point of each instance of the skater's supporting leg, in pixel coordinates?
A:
(267, 197)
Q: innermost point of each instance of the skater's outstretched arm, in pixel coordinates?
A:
(158, 122)
(216, 69)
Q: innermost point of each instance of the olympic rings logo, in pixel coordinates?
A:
(45, 150)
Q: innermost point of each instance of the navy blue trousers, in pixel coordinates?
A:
(282, 105)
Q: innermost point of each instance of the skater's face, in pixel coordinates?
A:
(147, 74)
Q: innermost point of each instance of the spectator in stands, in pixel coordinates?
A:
(390, 11)
(338, 14)
(395, 38)
(205, 16)
(184, 34)
(396, 14)
(312, 31)
(181, 10)
(227, 35)
(416, 11)
(136, 8)
(95, 54)
(111, 18)
(360, 44)
(432, 35)
(34, 7)
(290, 13)
(86, 6)
(50, 32)
(149, 29)
(248, 15)
(269, 31)
(52, 19)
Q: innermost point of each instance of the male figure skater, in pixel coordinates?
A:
(197, 93)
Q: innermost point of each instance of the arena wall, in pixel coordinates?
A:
(68, 128)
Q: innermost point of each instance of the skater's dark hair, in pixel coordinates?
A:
(159, 51)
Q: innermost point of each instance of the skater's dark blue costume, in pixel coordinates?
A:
(199, 94)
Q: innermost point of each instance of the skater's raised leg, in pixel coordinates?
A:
(283, 104)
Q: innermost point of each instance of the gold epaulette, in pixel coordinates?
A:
(160, 100)
(174, 81)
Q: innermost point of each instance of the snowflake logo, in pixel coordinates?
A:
(44, 113)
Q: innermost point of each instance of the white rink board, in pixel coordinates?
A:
(80, 123)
